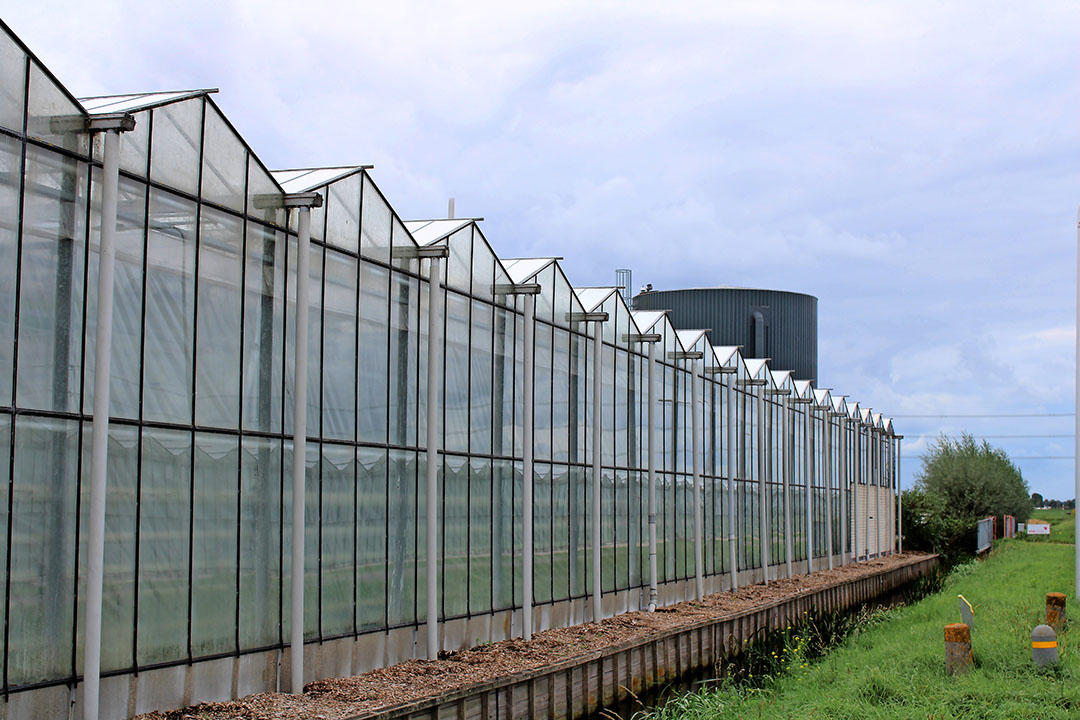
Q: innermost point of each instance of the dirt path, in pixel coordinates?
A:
(413, 680)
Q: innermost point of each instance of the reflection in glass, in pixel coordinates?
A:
(127, 299)
(213, 554)
(176, 145)
(51, 287)
(337, 524)
(217, 369)
(264, 285)
(10, 159)
(170, 309)
(41, 611)
(164, 516)
(372, 348)
(339, 347)
(224, 162)
(260, 541)
(371, 538)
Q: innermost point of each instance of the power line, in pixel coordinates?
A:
(1011, 457)
(990, 415)
(983, 437)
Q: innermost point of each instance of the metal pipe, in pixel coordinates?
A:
(811, 470)
(828, 486)
(891, 495)
(597, 397)
(732, 549)
(880, 475)
(300, 351)
(899, 501)
(786, 465)
(695, 450)
(435, 313)
(868, 474)
(95, 549)
(651, 414)
(856, 477)
(842, 478)
(527, 469)
(763, 465)
(1076, 408)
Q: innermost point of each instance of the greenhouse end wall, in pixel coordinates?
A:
(198, 516)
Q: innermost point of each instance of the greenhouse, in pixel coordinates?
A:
(559, 455)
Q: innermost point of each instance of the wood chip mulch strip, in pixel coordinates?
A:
(413, 680)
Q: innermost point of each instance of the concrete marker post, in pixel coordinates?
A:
(1055, 611)
(1044, 646)
(958, 657)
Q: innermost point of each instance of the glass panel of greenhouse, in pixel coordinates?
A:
(202, 386)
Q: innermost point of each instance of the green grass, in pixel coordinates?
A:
(896, 668)
(1062, 526)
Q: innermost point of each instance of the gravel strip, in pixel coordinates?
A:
(412, 680)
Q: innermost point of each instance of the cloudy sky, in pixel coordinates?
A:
(912, 164)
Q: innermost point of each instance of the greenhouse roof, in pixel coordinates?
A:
(108, 104)
(727, 355)
(427, 232)
(689, 338)
(305, 179)
(646, 319)
(593, 297)
(782, 378)
(756, 367)
(804, 389)
(522, 269)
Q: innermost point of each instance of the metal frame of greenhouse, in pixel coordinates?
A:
(154, 279)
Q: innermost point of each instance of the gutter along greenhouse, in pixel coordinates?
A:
(523, 432)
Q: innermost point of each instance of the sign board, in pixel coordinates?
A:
(1021, 527)
(1038, 528)
(967, 613)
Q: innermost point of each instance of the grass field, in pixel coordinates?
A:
(896, 668)
(1062, 526)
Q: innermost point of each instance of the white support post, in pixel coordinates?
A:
(845, 490)
(651, 414)
(1076, 409)
(95, 549)
(786, 465)
(435, 317)
(899, 500)
(764, 536)
(811, 469)
(695, 450)
(296, 628)
(880, 474)
(856, 477)
(732, 545)
(527, 470)
(828, 474)
(597, 414)
(868, 458)
(859, 462)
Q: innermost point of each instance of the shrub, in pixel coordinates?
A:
(961, 482)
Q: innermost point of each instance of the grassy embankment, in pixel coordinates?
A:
(896, 668)
(1062, 526)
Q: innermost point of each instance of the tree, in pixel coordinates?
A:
(961, 482)
(1036, 500)
(975, 479)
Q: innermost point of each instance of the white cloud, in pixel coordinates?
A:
(910, 163)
